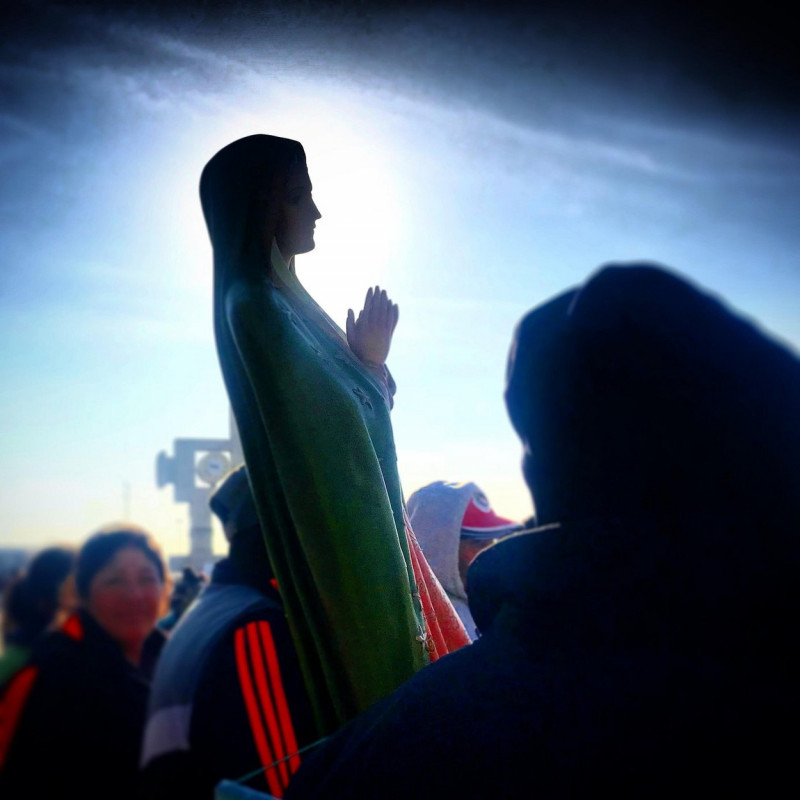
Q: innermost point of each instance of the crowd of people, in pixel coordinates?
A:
(631, 638)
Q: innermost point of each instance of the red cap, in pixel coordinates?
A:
(480, 522)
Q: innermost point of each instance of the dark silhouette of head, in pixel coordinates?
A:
(661, 438)
(232, 503)
(34, 598)
(637, 394)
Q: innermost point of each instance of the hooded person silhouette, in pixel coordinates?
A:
(637, 641)
(454, 522)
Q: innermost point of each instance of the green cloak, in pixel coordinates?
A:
(318, 444)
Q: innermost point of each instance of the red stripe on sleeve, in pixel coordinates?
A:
(280, 696)
(12, 705)
(253, 713)
(267, 705)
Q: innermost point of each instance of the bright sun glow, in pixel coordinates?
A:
(356, 188)
(357, 195)
(360, 222)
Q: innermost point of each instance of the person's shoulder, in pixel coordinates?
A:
(501, 572)
(58, 649)
(52, 669)
(259, 631)
(210, 625)
(251, 620)
(219, 672)
(226, 604)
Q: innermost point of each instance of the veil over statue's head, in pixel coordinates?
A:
(239, 193)
(240, 202)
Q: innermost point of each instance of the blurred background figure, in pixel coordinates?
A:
(228, 695)
(184, 593)
(453, 523)
(34, 601)
(71, 720)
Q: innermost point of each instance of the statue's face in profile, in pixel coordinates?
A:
(298, 215)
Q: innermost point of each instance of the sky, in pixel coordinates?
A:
(472, 159)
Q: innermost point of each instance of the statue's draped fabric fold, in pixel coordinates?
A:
(318, 444)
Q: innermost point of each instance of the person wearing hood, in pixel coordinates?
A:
(637, 642)
(244, 680)
(312, 404)
(453, 523)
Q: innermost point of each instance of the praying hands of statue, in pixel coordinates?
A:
(370, 335)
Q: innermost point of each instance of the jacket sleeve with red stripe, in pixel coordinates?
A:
(38, 710)
(250, 711)
(264, 696)
(12, 705)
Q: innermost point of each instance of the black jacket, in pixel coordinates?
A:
(589, 680)
(71, 720)
(228, 696)
(641, 643)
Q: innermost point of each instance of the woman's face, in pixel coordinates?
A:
(126, 597)
(298, 215)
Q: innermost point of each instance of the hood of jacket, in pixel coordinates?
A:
(436, 511)
(640, 394)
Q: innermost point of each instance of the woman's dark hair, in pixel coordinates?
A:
(101, 548)
(44, 576)
(32, 600)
